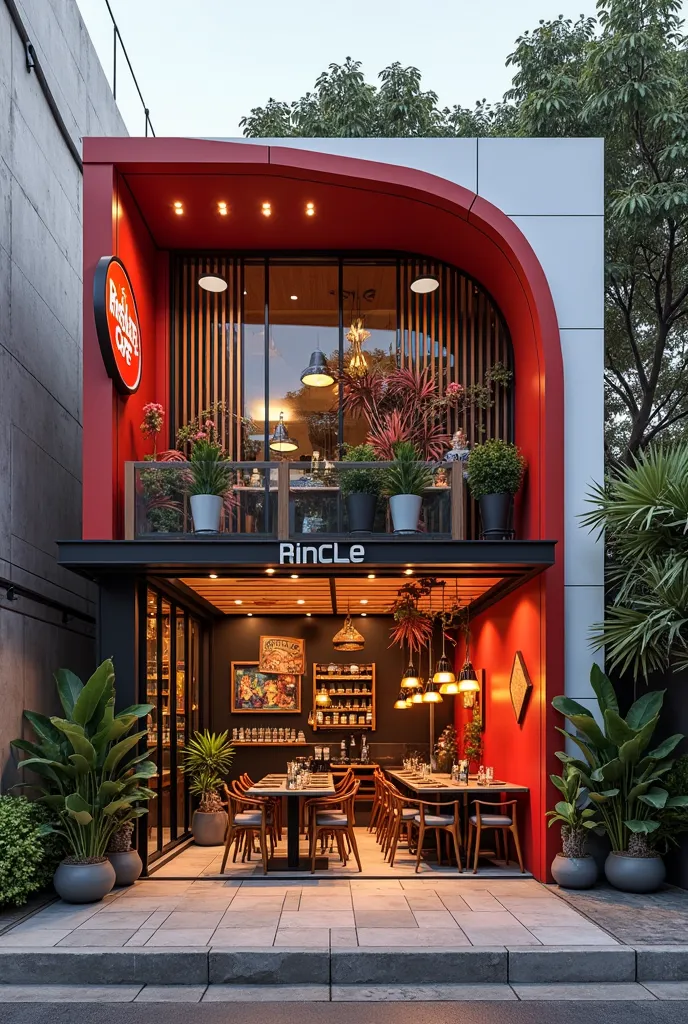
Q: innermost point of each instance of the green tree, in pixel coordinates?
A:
(621, 75)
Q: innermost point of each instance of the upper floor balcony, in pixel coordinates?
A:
(291, 501)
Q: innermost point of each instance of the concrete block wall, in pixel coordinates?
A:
(40, 348)
(553, 189)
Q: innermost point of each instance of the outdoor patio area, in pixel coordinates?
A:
(315, 914)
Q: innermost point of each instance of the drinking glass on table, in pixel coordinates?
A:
(489, 776)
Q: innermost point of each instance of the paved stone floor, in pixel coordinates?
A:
(659, 918)
(609, 992)
(315, 913)
(205, 862)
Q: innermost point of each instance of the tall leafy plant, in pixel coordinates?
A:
(407, 474)
(622, 774)
(643, 509)
(87, 777)
(206, 759)
(210, 474)
(574, 813)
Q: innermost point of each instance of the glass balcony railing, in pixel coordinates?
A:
(283, 500)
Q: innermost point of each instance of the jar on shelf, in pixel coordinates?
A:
(328, 719)
(235, 735)
(241, 736)
(332, 668)
(369, 716)
(335, 718)
(354, 670)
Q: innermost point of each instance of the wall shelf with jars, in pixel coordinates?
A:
(266, 737)
(343, 696)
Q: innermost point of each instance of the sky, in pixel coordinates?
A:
(202, 64)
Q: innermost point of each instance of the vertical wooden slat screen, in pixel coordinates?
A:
(457, 332)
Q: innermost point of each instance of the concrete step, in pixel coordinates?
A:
(343, 967)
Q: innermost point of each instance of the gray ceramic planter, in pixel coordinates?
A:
(634, 874)
(574, 872)
(127, 866)
(209, 829)
(84, 883)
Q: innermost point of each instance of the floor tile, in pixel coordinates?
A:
(345, 938)
(249, 919)
(171, 994)
(141, 937)
(421, 993)
(243, 938)
(36, 937)
(482, 901)
(180, 937)
(130, 921)
(95, 937)
(311, 938)
(317, 919)
(573, 936)
(434, 919)
(267, 994)
(191, 920)
(68, 993)
(408, 937)
(424, 901)
(549, 918)
(599, 991)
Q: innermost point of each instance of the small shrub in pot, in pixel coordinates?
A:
(28, 857)
(404, 483)
(361, 488)
(495, 474)
(206, 759)
(210, 479)
(573, 868)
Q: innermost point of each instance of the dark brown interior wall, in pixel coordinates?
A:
(235, 638)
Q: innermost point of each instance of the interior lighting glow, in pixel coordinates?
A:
(408, 572)
(238, 601)
(294, 576)
(300, 601)
(371, 575)
(310, 209)
(266, 209)
(364, 600)
(270, 572)
(293, 298)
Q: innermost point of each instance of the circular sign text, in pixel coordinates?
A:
(117, 324)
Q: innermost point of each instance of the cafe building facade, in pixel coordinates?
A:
(244, 290)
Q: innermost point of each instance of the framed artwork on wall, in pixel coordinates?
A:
(255, 692)
(282, 654)
(520, 687)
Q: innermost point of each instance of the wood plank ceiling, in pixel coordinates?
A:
(324, 596)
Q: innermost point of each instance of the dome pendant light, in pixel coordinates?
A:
(280, 440)
(317, 374)
(444, 677)
(348, 638)
(401, 703)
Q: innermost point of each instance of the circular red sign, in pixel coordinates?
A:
(117, 324)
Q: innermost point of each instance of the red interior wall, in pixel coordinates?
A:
(516, 752)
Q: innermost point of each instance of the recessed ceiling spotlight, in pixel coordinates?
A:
(238, 600)
(308, 615)
(245, 292)
(363, 615)
(371, 575)
(300, 601)
(266, 209)
(293, 298)
(364, 600)
(310, 209)
(249, 615)
(222, 209)
(424, 284)
(212, 282)
(294, 575)
(408, 572)
(269, 571)
(213, 576)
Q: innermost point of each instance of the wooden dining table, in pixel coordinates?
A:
(438, 786)
(321, 784)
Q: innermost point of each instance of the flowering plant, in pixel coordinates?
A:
(151, 425)
(413, 627)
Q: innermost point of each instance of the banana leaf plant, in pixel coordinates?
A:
(623, 776)
(87, 776)
(574, 813)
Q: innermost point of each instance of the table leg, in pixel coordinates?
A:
(292, 832)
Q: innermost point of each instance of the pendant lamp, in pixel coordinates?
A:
(468, 679)
(356, 335)
(409, 680)
(431, 693)
(417, 695)
(212, 282)
(348, 638)
(317, 374)
(280, 440)
(444, 677)
(401, 703)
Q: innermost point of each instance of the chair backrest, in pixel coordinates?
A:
(493, 807)
(344, 782)
(237, 803)
(349, 801)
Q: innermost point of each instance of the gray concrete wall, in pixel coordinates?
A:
(40, 349)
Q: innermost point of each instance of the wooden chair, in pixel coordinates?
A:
(248, 817)
(447, 819)
(334, 805)
(379, 782)
(402, 816)
(326, 819)
(495, 818)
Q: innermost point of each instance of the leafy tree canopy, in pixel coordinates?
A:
(622, 75)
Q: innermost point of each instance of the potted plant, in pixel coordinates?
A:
(473, 739)
(126, 861)
(495, 473)
(446, 749)
(210, 477)
(573, 868)
(206, 760)
(404, 483)
(361, 488)
(87, 778)
(625, 779)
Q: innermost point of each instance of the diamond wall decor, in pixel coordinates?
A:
(519, 687)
